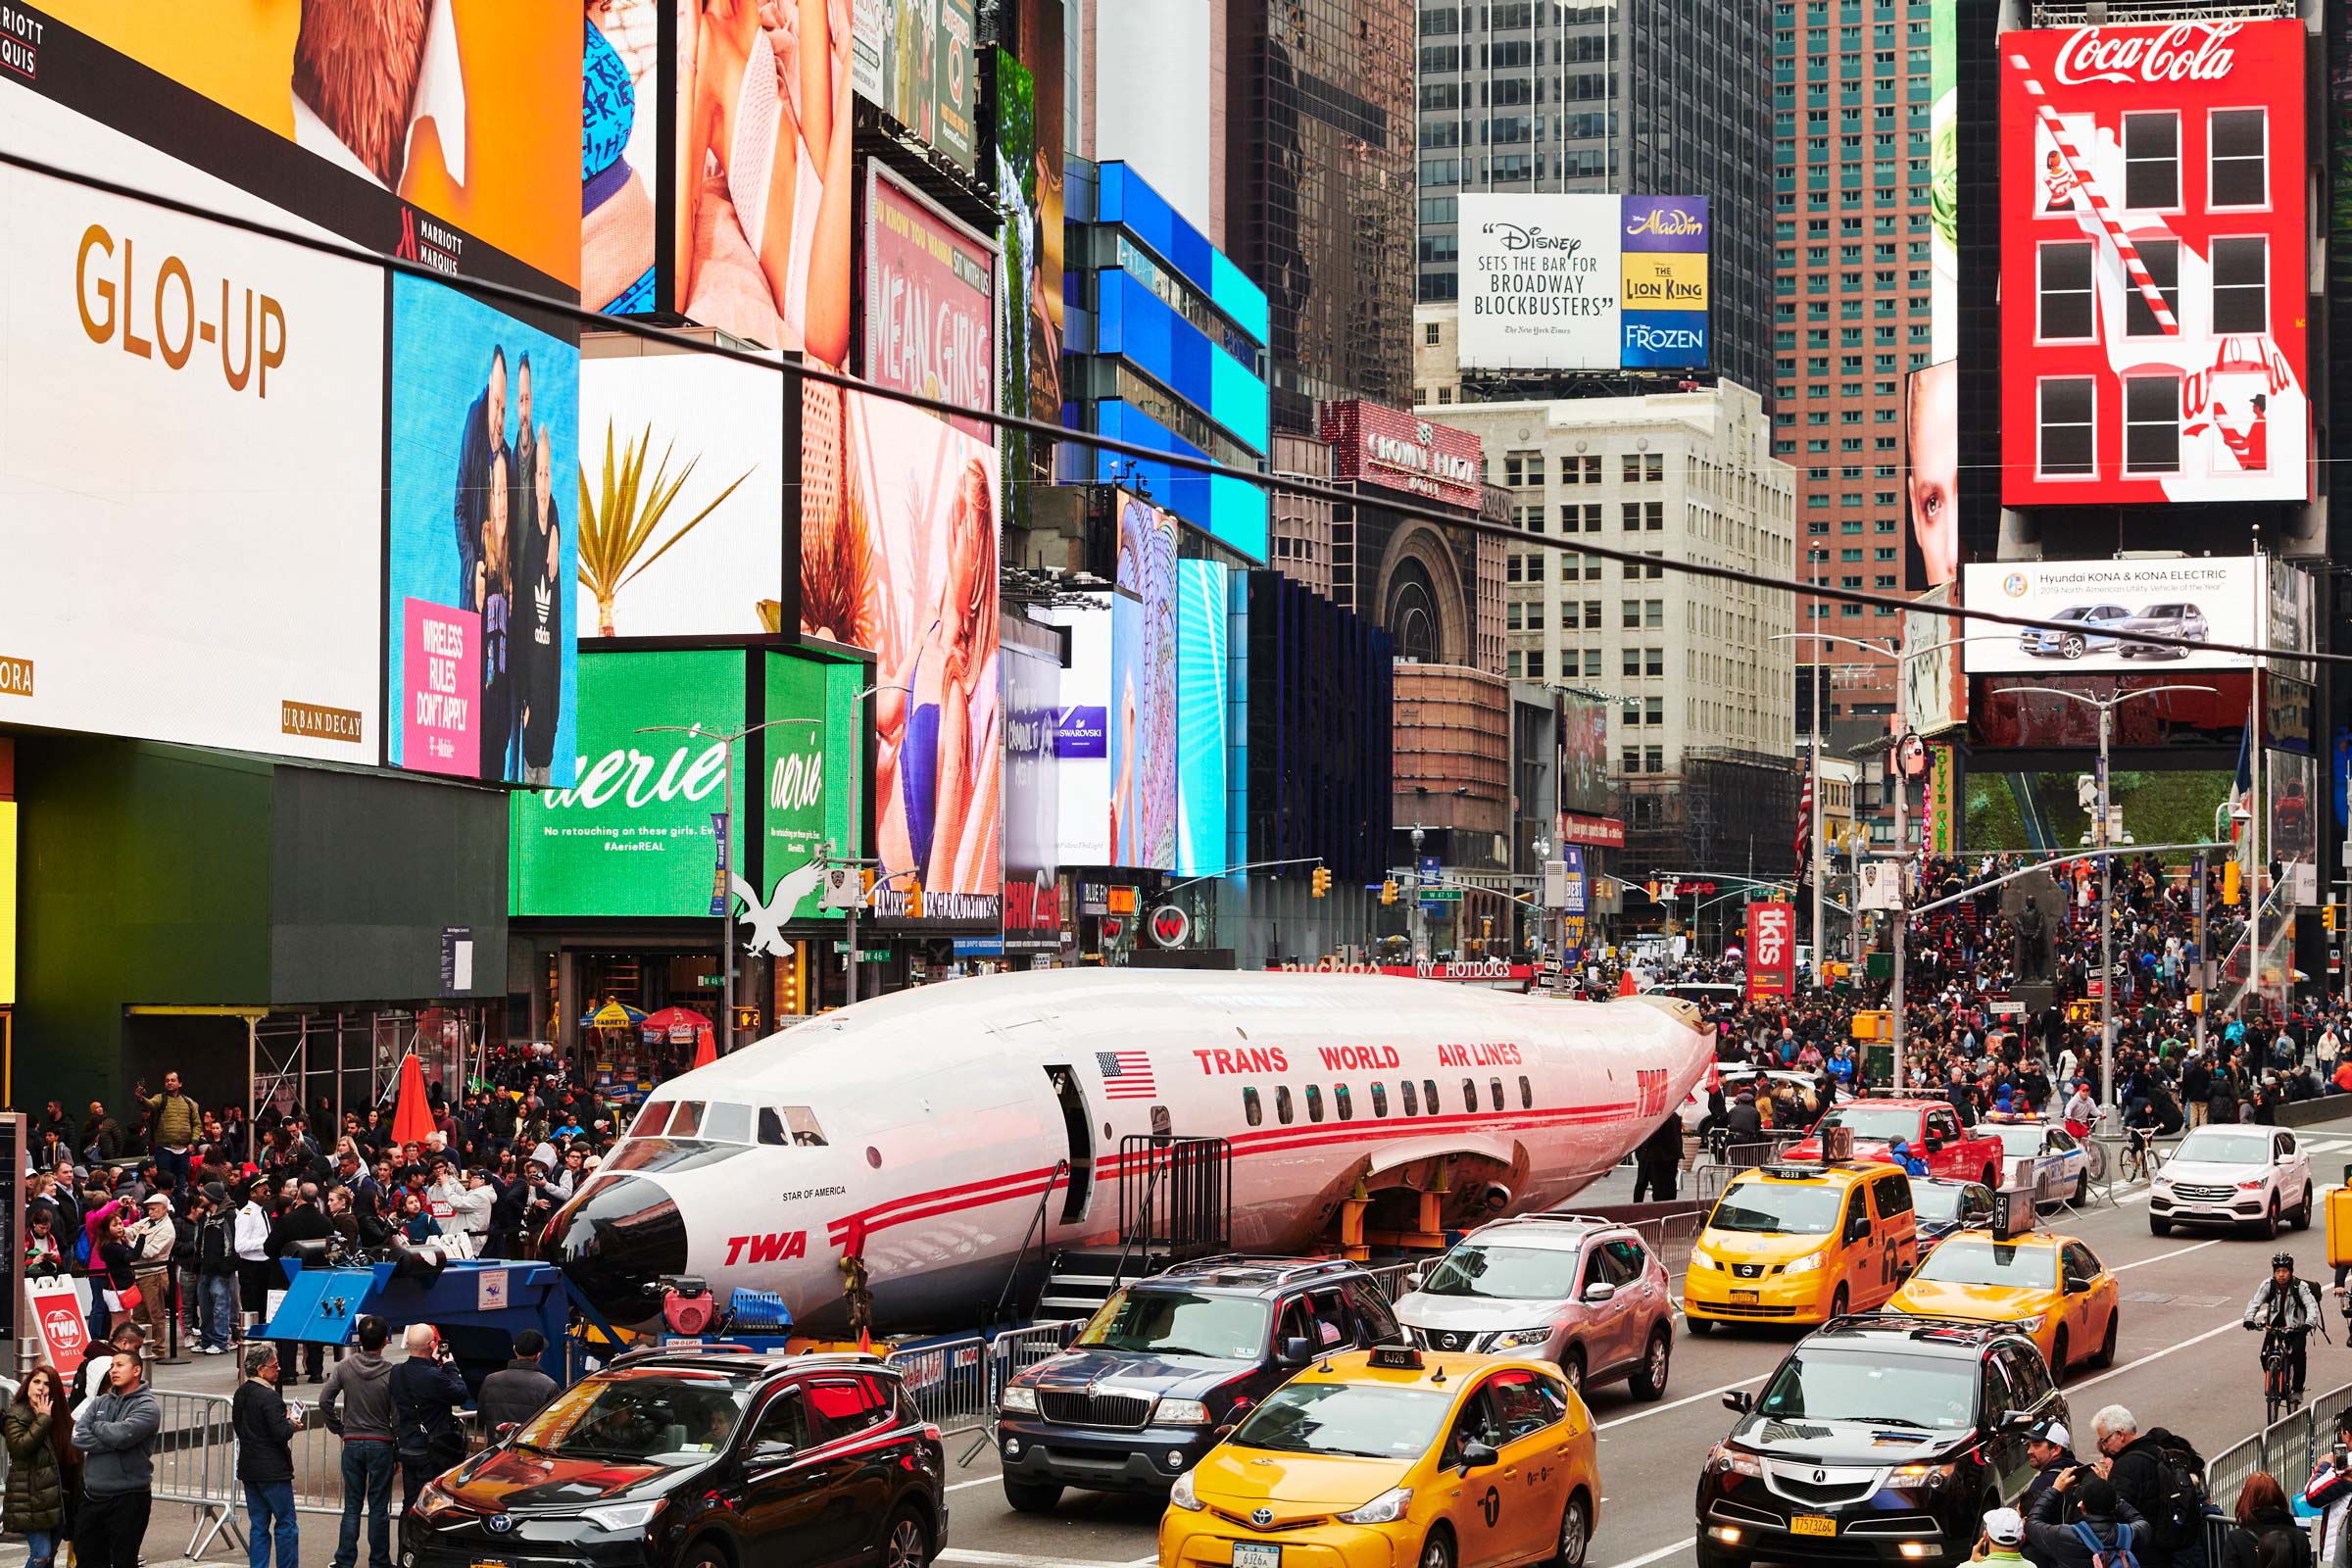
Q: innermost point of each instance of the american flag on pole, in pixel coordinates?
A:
(1804, 819)
(1126, 1074)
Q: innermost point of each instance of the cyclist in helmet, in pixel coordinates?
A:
(2289, 1306)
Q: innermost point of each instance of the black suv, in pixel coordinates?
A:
(1168, 1364)
(1881, 1437)
(699, 1458)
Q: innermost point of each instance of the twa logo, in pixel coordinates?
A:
(1649, 1091)
(2187, 51)
(63, 1328)
(775, 1248)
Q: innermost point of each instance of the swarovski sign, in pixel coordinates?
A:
(2187, 51)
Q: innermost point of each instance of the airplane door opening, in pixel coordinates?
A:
(1082, 1143)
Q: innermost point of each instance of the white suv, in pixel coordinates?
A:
(2240, 1175)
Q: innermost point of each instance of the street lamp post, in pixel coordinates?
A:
(2106, 707)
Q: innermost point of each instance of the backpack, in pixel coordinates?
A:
(2175, 1514)
(2122, 1556)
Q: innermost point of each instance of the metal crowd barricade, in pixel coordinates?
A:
(950, 1382)
(1016, 1351)
(2287, 1448)
(195, 1460)
(1390, 1276)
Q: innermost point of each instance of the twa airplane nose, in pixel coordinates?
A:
(616, 1241)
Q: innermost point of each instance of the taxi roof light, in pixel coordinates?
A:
(1393, 1358)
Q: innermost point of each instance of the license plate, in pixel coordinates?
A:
(1745, 1297)
(1255, 1555)
(488, 1562)
(1812, 1524)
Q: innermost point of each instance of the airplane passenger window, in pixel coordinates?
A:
(1314, 1101)
(1250, 1108)
(1428, 1091)
(1380, 1098)
(1470, 1094)
(771, 1125)
(1495, 1091)
(1404, 1095)
(1341, 1102)
(805, 1130)
(728, 1124)
(1282, 1102)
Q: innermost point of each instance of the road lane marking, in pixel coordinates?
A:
(1023, 1559)
(983, 1480)
(1691, 1398)
(1645, 1558)
(2152, 1355)
(2118, 1268)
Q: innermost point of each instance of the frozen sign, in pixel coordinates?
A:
(1540, 281)
(442, 659)
(2153, 235)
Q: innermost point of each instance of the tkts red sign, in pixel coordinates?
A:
(1771, 951)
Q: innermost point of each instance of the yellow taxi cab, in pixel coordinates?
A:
(1394, 1456)
(2052, 1287)
(1792, 1243)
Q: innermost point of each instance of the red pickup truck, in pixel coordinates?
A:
(1928, 1126)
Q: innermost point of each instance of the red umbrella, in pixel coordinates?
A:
(706, 1049)
(673, 1023)
(412, 1120)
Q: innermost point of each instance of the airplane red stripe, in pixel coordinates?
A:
(980, 1195)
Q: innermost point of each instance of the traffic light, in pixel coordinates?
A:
(2230, 876)
(2327, 918)
(1388, 894)
(1322, 882)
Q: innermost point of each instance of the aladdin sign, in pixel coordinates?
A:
(1379, 446)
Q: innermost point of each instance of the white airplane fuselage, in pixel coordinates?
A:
(970, 1125)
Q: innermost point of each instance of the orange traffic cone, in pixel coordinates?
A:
(411, 1118)
(1624, 984)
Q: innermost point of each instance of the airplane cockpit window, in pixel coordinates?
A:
(727, 1124)
(649, 1117)
(771, 1125)
(802, 1121)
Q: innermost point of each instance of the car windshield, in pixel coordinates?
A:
(1880, 1123)
(2221, 1146)
(668, 1418)
(2025, 1140)
(1347, 1419)
(1776, 1210)
(1179, 1323)
(1901, 1391)
(1514, 1273)
(2073, 612)
(1974, 1262)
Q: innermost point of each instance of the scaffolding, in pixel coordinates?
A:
(351, 1060)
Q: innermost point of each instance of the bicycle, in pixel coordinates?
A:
(2138, 1158)
(2279, 1396)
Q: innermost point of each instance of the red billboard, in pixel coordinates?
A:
(2153, 243)
(930, 302)
(1383, 447)
(1771, 951)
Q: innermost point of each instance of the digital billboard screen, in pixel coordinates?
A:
(1204, 594)
(1144, 759)
(192, 510)
(913, 60)
(681, 492)
(621, 184)
(2195, 599)
(899, 559)
(480, 659)
(1584, 282)
(811, 759)
(2153, 221)
(930, 302)
(1032, 795)
(633, 835)
(1082, 730)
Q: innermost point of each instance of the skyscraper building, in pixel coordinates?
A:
(1644, 97)
(1850, 108)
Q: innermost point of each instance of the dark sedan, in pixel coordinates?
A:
(1943, 1206)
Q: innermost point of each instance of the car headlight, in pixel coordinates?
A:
(1728, 1461)
(1385, 1509)
(1180, 1494)
(622, 1515)
(1513, 1339)
(1919, 1475)
(432, 1503)
(1018, 1399)
(2032, 1325)
(1180, 1413)
(1806, 1264)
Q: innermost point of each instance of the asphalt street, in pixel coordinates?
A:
(2182, 1361)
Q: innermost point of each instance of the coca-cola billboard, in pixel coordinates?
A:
(2154, 235)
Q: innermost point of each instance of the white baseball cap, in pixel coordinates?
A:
(2055, 1433)
(2003, 1527)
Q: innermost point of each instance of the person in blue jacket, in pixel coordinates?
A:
(1912, 1164)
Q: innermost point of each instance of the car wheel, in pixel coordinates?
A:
(1989, 1176)
(907, 1544)
(2159, 1227)
(2303, 1211)
(1649, 1378)
(1572, 1367)
(2071, 646)
(1838, 1300)
(2269, 1220)
(1438, 1550)
(1576, 1533)
(706, 1556)
(1032, 1496)
(2058, 1356)
(2106, 1356)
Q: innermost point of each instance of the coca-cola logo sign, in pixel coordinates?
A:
(2186, 51)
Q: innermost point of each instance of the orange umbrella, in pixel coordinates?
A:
(412, 1120)
(1624, 984)
(706, 1049)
